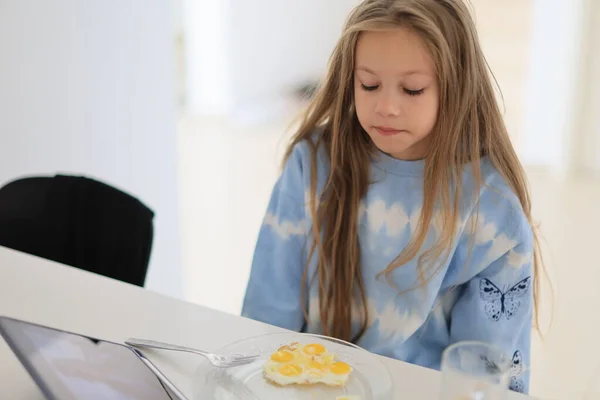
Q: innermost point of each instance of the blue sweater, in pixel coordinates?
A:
(490, 299)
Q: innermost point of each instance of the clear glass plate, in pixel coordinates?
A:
(370, 380)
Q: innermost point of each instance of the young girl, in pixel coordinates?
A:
(401, 220)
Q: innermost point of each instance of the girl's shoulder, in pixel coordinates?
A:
(297, 169)
(495, 187)
(302, 153)
(497, 204)
(310, 142)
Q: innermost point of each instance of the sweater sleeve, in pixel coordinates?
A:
(496, 306)
(273, 293)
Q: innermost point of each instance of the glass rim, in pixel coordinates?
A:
(501, 371)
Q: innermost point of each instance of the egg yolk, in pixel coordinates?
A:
(317, 366)
(282, 356)
(314, 349)
(290, 370)
(340, 368)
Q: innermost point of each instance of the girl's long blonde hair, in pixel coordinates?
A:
(469, 127)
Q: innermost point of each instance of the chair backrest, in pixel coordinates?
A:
(80, 222)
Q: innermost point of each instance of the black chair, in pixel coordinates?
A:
(79, 222)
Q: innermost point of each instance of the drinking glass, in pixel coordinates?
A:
(474, 371)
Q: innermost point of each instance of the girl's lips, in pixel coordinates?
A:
(386, 131)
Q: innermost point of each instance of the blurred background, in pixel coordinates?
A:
(187, 105)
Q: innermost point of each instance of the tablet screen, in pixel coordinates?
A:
(70, 366)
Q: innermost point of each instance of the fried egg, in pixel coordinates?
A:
(306, 365)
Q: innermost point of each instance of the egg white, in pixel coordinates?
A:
(308, 376)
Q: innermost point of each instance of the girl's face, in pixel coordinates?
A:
(396, 92)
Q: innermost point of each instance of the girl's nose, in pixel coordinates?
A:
(388, 105)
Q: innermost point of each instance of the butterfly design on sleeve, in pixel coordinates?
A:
(517, 367)
(499, 303)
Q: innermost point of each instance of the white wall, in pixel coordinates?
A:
(504, 30)
(588, 145)
(207, 80)
(278, 44)
(553, 93)
(242, 54)
(87, 88)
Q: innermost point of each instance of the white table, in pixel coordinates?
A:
(48, 293)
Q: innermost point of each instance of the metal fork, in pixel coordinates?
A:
(218, 360)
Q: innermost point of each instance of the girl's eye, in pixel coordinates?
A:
(414, 92)
(369, 88)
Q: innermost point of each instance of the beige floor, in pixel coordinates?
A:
(227, 174)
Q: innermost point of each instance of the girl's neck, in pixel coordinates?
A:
(397, 166)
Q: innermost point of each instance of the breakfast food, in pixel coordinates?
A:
(306, 365)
